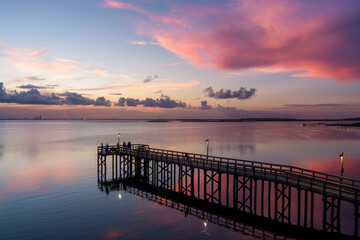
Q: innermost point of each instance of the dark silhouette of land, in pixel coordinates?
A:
(320, 121)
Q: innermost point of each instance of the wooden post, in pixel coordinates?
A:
(338, 214)
(276, 201)
(299, 207)
(235, 193)
(116, 166)
(204, 171)
(269, 201)
(289, 206)
(324, 212)
(262, 198)
(219, 187)
(112, 161)
(137, 167)
(332, 214)
(305, 208)
(192, 182)
(198, 182)
(356, 227)
(255, 195)
(312, 211)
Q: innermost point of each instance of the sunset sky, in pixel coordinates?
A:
(179, 59)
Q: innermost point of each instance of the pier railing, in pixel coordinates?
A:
(341, 187)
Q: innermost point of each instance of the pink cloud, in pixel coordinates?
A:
(143, 43)
(37, 60)
(120, 5)
(319, 37)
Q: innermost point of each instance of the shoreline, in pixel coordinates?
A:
(191, 120)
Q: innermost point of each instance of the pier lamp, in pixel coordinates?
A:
(207, 148)
(342, 163)
(119, 138)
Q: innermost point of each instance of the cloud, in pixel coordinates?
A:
(233, 112)
(205, 106)
(172, 85)
(121, 102)
(321, 37)
(150, 78)
(182, 84)
(132, 102)
(72, 98)
(35, 78)
(242, 93)
(31, 86)
(164, 102)
(33, 96)
(323, 105)
(39, 61)
(143, 43)
(118, 94)
(101, 101)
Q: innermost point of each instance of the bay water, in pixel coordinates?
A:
(48, 173)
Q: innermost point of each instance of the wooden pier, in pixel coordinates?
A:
(257, 188)
(338, 125)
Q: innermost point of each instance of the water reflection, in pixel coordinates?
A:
(248, 224)
(242, 149)
(1, 152)
(51, 163)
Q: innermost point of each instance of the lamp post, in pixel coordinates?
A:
(118, 138)
(342, 163)
(207, 148)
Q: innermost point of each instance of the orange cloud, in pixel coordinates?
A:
(182, 84)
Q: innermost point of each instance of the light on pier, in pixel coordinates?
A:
(207, 148)
(342, 163)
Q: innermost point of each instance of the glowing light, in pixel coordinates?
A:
(119, 195)
(342, 163)
(207, 148)
(206, 222)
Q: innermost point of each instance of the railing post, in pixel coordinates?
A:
(356, 227)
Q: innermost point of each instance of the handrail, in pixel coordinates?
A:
(254, 166)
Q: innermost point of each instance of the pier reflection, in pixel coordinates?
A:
(247, 224)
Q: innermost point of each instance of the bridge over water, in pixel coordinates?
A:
(285, 194)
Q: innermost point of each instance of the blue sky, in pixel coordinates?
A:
(302, 64)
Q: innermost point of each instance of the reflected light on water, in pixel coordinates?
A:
(119, 195)
(206, 222)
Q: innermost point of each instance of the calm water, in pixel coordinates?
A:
(48, 179)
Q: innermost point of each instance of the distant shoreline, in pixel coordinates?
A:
(191, 120)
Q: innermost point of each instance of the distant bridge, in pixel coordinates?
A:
(258, 188)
